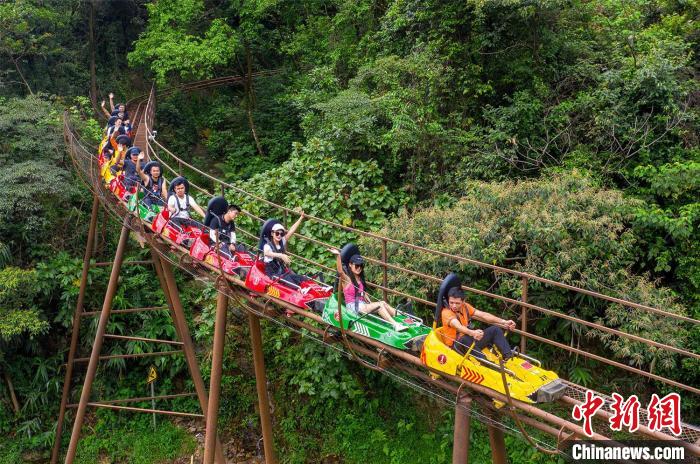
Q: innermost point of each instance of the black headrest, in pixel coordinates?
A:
(150, 165)
(217, 206)
(124, 140)
(178, 181)
(266, 231)
(348, 251)
(133, 149)
(451, 281)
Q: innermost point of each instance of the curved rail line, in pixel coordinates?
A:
(403, 365)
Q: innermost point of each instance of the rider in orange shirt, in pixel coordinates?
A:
(458, 335)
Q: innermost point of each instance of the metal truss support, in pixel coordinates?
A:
(215, 381)
(261, 382)
(496, 439)
(76, 329)
(97, 345)
(460, 447)
(167, 280)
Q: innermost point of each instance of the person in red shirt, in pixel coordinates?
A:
(458, 335)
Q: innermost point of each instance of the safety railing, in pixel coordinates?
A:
(222, 187)
(432, 279)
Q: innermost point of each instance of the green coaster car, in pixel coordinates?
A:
(375, 327)
(145, 213)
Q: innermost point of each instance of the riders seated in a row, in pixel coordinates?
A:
(114, 110)
(118, 125)
(273, 244)
(180, 202)
(455, 318)
(352, 281)
(114, 154)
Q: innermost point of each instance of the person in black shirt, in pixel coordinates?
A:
(225, 228)
(131, 177)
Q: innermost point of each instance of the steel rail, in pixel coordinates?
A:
(131, 355)
(422, 366)
(436, 252)
(142, 398)
(601, 359)
(128, 311)
(125, 263)
(142, 339)
(149, 411)
(523, 304)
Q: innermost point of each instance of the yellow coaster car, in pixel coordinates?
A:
(526, 379)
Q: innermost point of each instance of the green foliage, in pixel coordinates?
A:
(669, 222)
(29, 32)
(351, 193)
(18, 312)
(35, 211)
(176, 40)
(566, 229)
(133, 441)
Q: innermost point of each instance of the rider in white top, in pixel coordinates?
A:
(179, 206)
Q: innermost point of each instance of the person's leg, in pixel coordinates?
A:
(225, 251)
(494, 336)
(370, 307)
(391, 311)
(463, 344)
(381, 308)
(294, 278)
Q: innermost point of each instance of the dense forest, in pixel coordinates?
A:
(555, 137)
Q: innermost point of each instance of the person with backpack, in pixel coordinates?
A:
(180, 203)
(153, 182)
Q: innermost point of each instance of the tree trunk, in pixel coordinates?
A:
(13, 397)
(250, 99)
(93, 74)
(21, 76)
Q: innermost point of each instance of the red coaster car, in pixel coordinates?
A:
(309, 295)
(182, 235)
(116, 185)
(239, 263)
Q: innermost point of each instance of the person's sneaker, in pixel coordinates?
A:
(400, 327)
(406, 307)
(513, 353)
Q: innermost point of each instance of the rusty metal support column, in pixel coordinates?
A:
(97, 345)
(384, 272)
(215, 381)
(523, 315)
(76, 329)
(497, 441)
(172, 297)
(261, 383)
(460, 447)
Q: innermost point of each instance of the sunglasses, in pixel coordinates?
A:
(278, 233)
(358, 265)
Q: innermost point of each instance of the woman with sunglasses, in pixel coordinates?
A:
(352, 281)
(275, 255)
